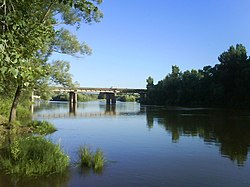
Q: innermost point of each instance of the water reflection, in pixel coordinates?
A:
(72, 109)
(110, 109)
(228, 129)
(83, 110)
(56, 180)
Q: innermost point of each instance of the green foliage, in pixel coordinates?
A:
(88, 159)
(42, 127)
(3, 120)
(225, 84)
(85, 156)
(23, 110)
(29, 36)
(98, 160)
(23, 113)
(150, 82)
(86, 97)
(60, 97)
(127, 98)
(80, 97)
(5, 105)
(33, 156)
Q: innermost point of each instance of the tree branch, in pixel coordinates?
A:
(47, 12)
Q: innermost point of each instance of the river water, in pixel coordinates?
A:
(148, 145)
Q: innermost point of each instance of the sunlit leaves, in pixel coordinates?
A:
(29, 36)
(60, 73)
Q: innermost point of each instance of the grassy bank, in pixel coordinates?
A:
(33, 156)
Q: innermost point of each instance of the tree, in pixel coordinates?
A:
(226, 84)
(150, 82)
(231, 73)
(29, 36)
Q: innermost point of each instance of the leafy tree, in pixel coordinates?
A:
(29, 36)
(225, 84)
(150, 82)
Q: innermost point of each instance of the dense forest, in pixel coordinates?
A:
(227, 84)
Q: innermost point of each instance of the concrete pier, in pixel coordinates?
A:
(110, 98)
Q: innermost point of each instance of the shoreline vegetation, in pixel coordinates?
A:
(26, 45)
(224, 85)
(25, 151)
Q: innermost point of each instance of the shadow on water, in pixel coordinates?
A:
(228, 129)
(55, 180)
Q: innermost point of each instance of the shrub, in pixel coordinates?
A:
(33, 156)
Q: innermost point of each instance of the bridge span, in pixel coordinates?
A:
(99, 90)
(108, 92)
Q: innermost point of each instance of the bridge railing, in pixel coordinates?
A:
(98, 90)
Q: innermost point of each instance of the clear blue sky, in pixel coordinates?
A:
(141, 38)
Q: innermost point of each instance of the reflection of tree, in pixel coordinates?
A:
(46, 106)
(56, 180)
(218, 127)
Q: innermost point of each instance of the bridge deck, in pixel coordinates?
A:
(95, 90)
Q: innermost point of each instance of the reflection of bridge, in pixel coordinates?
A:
(83, 114)
(108, 92)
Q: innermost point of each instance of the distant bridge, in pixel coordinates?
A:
(99, 90)
(108, 92)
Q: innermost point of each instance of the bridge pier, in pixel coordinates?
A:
(110, 97)
(73, 97)
(72, 102)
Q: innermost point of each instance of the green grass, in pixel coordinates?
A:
(42, 127)
(33, 156)
(85, 156)
(88, 159)
(98, 160)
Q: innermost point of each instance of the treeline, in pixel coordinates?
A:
(128, 97)
(227, 84)
(80, 97)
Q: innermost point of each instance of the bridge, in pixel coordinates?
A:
(108, 92)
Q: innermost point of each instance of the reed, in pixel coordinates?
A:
(88, 159)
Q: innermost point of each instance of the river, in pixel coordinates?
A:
(148, 145)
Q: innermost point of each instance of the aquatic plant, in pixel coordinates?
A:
(33, 156)
(85, 156)
(88, 159)
(98, 160)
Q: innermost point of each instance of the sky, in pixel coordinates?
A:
(141, 38)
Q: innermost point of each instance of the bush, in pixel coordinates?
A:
(42, 127)
(87, 159)
(33, 156)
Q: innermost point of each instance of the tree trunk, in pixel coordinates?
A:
(15, 102)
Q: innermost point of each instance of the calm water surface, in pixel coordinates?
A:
(149, 146)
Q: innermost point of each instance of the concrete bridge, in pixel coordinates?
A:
(108, 92)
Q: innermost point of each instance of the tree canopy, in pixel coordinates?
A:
(225, 85)
(30, 31)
